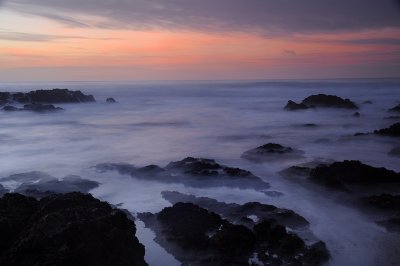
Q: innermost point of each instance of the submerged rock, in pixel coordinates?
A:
(39, 185)
(196, 236)
(111, 100)
(395, 152)
(389, 207)
(395, 109)
(38, 107)
(193, 172)
(239, 214)
(271, 151)
(356, 114)
(66, 229)
(321, 100)
(393, 131)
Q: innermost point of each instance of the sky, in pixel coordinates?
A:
(119, 40)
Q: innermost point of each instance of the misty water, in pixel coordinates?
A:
(160, 122)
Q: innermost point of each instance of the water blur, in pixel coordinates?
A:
(159, 122)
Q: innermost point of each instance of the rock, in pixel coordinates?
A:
(59, 96)
(393, 131)
(292, 106)
(344, 175)
(367, 102)
(39, 185)
(397, 117)
(111, 100)
(395, 152)
(234, 213)
(10, 108)
(356, 114)
(321, 100)
(66, 229)
(46, 96)
(395, 109)
(38, 107)
(196, 236)
(383, 201)
(3, 190)
(271, 151)
(192, 172)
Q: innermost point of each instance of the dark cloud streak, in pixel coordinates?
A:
(264, 16)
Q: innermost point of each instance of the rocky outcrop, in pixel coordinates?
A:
(395, 109)
(343, 175)
(110, 100)
(271, 151)
(247, 214)
(193, 172)
(392, 131)
(66, 229)
(321, 101)
(196, 236)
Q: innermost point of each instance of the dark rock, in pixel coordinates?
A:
(395, 152)
(38, 107)
(111, 100)
(395, 109)
(59, 96)
(292, 106)
(271, 151)
(309, 125)
(3, 190)
(296, 171)
(196, 236)
(343, 175)
(383, 201)
(356, 114)
(10, 108)
(393, 131)
(367, 102)
(193, 172)
(66, 229)
(235, 212)
(39, 185)
(323, 100)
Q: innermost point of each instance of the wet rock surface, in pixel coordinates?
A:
(197, 236)
(271, 151)
(39, 185)
(66, 229)
(395, 109)
(392, 131)
(321, 101)
(344, 175)
(239, 214)
(194, 172)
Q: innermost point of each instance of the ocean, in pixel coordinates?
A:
(160, 122)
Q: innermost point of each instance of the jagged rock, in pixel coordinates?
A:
(111, 100)
(343, 175)
(39, 185)
(196, 236)
(395, 109)
(237, 214)
(193, 172)
(66, 229)
(291, 106)
(393, 131)
(271, 151)
(321, 100)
